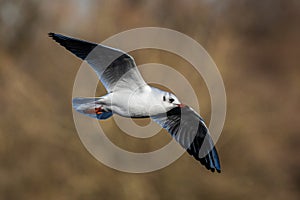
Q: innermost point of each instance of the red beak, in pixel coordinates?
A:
(180, 105)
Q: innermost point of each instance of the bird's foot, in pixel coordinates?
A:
(99, 110)
(96, 110)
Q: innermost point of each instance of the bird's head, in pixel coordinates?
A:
(170, 101)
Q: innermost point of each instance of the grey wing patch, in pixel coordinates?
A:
(189, 130)
(114, 68)
(122, 73)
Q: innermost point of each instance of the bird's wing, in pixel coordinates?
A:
(190, 131)
(115, 68)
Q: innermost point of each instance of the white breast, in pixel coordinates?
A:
(143, 102)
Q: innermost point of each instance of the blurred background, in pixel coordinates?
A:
(255, 44)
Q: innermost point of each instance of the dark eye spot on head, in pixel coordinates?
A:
(164, 98)
(171, 100)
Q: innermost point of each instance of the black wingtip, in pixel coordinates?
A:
(78, 47)
(210, 161)
(51, 34)
(60, 38)
(56, 37)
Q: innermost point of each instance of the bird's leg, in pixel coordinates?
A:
(97, 107)
(99, 110)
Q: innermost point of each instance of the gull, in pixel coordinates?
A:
(130, 96)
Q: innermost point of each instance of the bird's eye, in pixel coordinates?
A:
(164, 98)
(171, 100)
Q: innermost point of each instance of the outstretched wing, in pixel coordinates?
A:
(189, 130)
(115, 68)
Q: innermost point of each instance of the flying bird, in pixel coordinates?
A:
(130, 96)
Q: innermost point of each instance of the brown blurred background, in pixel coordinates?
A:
(255, 44)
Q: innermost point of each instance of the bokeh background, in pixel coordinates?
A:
(255, 44)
